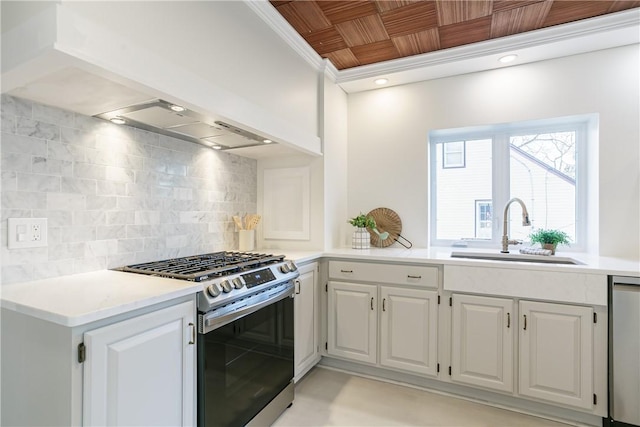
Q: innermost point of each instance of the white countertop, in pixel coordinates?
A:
(82, 298)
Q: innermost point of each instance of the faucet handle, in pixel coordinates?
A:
(514, 242)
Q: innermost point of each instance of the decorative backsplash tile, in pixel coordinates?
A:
(113, 195)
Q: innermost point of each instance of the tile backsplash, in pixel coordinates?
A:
(113, 195)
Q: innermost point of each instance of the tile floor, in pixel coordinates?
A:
(331, 398)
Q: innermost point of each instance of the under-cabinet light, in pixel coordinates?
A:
(177, 108)
(117, 120)
(381, 81)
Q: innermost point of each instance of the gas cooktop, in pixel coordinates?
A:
(197, 268)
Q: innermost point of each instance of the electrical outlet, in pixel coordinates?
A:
(27, 233)
(35, 233)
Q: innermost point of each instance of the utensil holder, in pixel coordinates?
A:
(247, 240)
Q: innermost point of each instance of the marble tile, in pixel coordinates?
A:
(16, 106)
(78, 185)
(77, 234)
(78, 138)
(66, 202)
(102, 202)
(16, 273)
(16, 162)
(37, 129)
(24, 200)
(41, 183)
(130, 245)
(62, 251)
(23, 144)
(8, 123)
(100, 248)
(110, 232)
(52, 115)
(90, 218)
(66, 152)
(89, 171)
(44, 165)
(119, 217)
(99, 184)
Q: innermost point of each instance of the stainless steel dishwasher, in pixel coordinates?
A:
(624, 351)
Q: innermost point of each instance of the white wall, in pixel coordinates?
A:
(335, 119)
(388, 134)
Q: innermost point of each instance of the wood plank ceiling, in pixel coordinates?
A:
(360, 32)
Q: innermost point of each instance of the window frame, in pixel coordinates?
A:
(500, 134)
(463, 152)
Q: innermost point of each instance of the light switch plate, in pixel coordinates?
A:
(27, 233)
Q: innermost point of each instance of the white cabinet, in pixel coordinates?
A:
(392, 322)
(352, 325)
(141, 371)
(556, 353)
(306, 352)
(482, 341)
(408, 329)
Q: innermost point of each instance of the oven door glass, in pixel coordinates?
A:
(242, 366)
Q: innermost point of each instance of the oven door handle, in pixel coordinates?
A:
(211, 322)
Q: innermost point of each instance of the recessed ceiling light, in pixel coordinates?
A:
(508, 58)
(117, 120)
(381, 81)
(177, 108)
(267, 141)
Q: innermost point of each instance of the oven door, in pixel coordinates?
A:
(244, 365)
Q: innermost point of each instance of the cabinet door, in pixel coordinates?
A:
(306, 326)
(556, 348)
(482, 342)
(141, 371)
(408, 335)
(352, 327)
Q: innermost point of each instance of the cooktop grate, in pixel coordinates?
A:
(206, 266)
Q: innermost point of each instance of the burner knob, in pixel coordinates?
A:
(213, 290)
(292, 266)
(284, 268)
(238, 282)
(226, 286)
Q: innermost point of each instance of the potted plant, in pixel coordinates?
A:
(549, 238)
(361, 237)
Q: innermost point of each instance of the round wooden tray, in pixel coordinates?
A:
(386, 220)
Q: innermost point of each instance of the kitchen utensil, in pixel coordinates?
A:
(238, 222)
(251, 221)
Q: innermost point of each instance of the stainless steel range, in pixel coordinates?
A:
(245, 333)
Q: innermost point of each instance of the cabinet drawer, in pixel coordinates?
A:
(425, 276)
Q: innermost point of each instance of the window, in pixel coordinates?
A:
(483, 219)
(543, 163)
(453, 154)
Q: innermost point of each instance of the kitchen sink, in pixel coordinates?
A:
(498, 256)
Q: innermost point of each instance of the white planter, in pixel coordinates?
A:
(361, 239)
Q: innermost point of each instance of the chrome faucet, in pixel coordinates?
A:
(525, 221)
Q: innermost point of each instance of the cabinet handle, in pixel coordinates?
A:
(193, 333)
(371, 303)
(298, 289)
(525, 322)
(383, 301)
(346, 271)
(508, 320)
(413, 277)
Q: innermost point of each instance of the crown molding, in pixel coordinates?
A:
(621, 28)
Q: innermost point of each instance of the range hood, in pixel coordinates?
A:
(173, 120)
